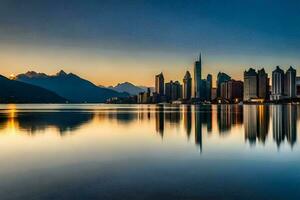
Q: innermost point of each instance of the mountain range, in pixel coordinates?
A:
(13, 91)
(129, 88)
(70, 86)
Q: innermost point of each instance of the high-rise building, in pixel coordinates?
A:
(250, 85)
(203, 90)
(263, 84)
(234, 90)
(223, 87)
(173, 91)
(208, 86)
(290, 83)
(213, 93)
(298, 86)
(197, 77)
(144, 97)
(277, 84)
(187, 86)
(222, 77)
(160, 84)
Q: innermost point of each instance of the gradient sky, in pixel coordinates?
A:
(115, 41)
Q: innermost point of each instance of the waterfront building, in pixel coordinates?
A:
(173, 91)
(144, 97)
(214, 93)
(250, 85)
(222, 77)
(263, 84)
(160, 84)
(277, 84)
(232, 90)
(223, 87)
(203, 90)
(208, 87)
(290, 83)
(298, 87)
(187, 86)
(197, 77)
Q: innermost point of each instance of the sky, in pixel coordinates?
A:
(115, 41)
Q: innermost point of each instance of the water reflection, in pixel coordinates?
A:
(253, 121)
(34, 122)
(284, 124)
(256, 123)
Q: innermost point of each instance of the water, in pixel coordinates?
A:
(149, 152)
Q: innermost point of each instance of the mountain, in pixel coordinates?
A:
(12, 91)
(127, 87)
(70, 86)
(145, 88)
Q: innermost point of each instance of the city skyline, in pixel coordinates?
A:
(89, 39)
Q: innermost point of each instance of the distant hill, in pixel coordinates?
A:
(12, 91)
(128, 88)
(70, 86)
(145, 88)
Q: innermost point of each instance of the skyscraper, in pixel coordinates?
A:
(277, 84)
(208, 86)
(187, 86)
(160, 84)
(290, 83)
(197, 77)
(250, 85)
(234, 90)
(173, 91)
(263, 84)
(222, 77)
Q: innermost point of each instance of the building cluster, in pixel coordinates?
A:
(254, 88)
(284, 85)
(199, 90)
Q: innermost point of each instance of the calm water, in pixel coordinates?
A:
(149, 152)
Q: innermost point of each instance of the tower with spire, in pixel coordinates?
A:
(197, 77)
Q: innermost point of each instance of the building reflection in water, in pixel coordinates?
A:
(198, 126)
(284, 123)
(229, 116)
(191, 118)
(187, 119)
(256, 123)
(160, 120)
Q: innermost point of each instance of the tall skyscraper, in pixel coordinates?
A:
(234, 90)
(263, 84)
(250, 85)
(298, 86)
(173, 91)
(203, 90)
(277, 84)
(208, 86)
(187, 86)
(197, 77)
(222, 77)
(160, 84)
(290, 83)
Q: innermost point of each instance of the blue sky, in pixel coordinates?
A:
(96, 39)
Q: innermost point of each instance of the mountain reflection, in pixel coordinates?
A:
(257, 123)
(33, 122)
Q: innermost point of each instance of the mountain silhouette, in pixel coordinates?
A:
(128, 88)
(13, 91)
(70, 86)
